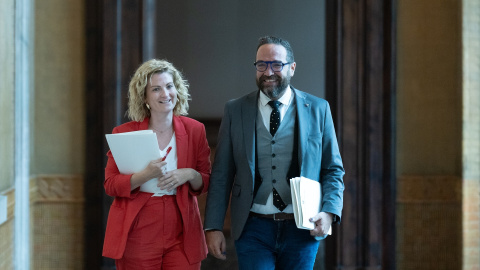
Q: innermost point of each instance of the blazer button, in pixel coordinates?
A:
(273, 155)
(274, 181)
(274, 167)
(273, 142)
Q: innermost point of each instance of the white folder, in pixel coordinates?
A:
(133, 151)
(306, 200)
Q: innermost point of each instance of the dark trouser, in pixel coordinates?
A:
(268, 244)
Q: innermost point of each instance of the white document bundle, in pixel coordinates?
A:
(306, 200)
(133, 151)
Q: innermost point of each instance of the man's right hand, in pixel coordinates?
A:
(216, 244)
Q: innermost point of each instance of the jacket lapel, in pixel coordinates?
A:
(303, 117)
(181, 138)
(249, 112)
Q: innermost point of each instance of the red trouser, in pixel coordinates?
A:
(155, 240)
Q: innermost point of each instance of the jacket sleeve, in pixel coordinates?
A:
(332, 171)
(223, 172)
(117, 184)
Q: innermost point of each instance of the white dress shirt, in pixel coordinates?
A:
(151, 185)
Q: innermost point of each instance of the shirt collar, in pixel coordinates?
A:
(285, 99)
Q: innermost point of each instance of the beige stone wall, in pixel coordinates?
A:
(59, 123)
(57, 212)
(429, 132)
(429, 228)
(471, 134)
(429, 125)
(58, 140)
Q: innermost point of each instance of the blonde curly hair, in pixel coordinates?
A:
(137, 109)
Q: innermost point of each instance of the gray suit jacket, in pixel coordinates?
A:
(233, 171)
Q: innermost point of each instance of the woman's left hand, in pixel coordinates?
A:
(173, 179)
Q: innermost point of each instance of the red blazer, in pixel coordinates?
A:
(193, 152)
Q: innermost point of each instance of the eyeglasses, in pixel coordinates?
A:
(274, 65)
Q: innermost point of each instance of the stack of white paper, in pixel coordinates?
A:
(133, 151)
(306, 200)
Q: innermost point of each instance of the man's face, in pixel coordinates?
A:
(273, 84)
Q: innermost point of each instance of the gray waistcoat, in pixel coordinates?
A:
(274, 159)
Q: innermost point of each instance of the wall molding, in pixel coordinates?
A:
(49, 188)
(57, 188)
(429, 189)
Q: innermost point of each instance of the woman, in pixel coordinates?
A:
(154, 221)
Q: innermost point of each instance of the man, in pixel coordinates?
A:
(254, 162)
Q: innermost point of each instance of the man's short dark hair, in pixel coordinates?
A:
(278, 41)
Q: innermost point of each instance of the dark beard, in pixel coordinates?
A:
(276, 92)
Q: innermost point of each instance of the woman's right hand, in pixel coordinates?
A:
(154, 169)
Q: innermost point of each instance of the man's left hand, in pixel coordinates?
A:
(323, 221)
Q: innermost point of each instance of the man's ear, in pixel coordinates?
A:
(292, 68)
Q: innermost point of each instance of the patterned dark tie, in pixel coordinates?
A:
(277, 200)
(274, 124)
(274, 116)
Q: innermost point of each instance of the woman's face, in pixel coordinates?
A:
(161, 94)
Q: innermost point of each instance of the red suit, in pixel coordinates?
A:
(192, 152)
